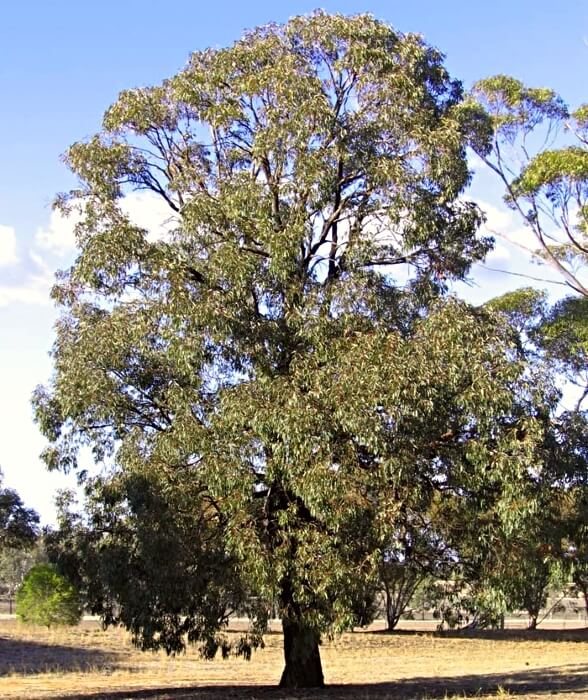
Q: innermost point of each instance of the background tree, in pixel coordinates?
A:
(531, 565)
(545, 178)
(563, 335)
(14, 565)
(265, 389)
(47, 598)
(572, 456)
(18, 524)
(19, 534)
(552, 541)
(417, 551)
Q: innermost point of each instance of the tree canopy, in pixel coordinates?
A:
(278, 385)
(18, 524)
(540, 153)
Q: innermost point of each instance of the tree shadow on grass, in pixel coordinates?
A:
(550, 681)
(28, 657)
(526, 635)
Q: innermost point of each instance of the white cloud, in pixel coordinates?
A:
(41, 263)
(34, 289)
(511, 236)
(58, 237)
(8, 254)
(144, 209)
(149, 211)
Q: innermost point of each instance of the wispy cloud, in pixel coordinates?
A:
(143, 208)
(508, 231)
(58, 237)
(34, 291)
(150, 212)
(8, 254)
(31, 288)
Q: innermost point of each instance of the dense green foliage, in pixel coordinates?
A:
(18, 524)
(274, 400)
(550, 548)
(47, 598)
(540, 152)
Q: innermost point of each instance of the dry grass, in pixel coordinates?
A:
(85, 662)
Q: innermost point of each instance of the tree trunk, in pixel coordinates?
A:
(390, 608)
(302, 656)
(392, 615)
(580, 582)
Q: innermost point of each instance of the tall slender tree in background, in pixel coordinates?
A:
(540, 154)
(277, 382)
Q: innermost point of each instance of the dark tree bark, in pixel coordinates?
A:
(303, 667)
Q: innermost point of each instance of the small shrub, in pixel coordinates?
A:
(47, 598)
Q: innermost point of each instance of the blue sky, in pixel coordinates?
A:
(63, 62)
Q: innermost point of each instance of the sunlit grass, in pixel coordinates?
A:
(86, 661)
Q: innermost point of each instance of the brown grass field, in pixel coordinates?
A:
(86, 662)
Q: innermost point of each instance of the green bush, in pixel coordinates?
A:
(47, 598)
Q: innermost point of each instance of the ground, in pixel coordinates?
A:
(86, 662)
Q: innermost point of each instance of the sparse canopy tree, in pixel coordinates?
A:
(571, 458)
(545, 178)
(417, 550)
(267, 391)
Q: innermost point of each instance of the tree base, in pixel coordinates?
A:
(302, 656)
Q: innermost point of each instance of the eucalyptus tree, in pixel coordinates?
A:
(417, 551)
(19, 532)
(540, 154)
(266, 385)
(18, 524)
(551, 545)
